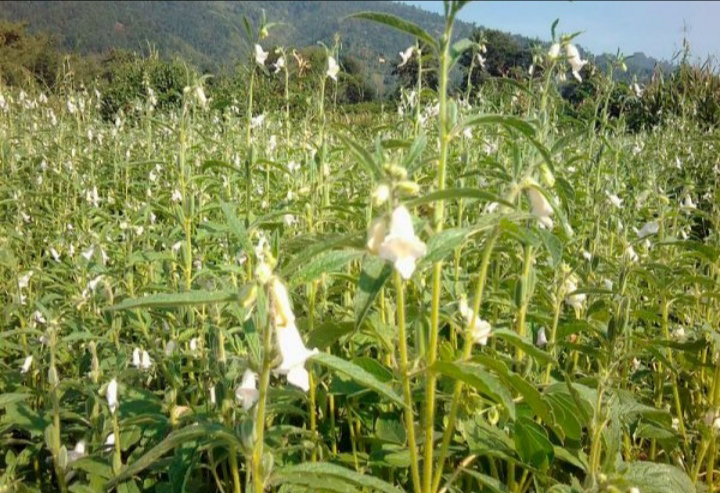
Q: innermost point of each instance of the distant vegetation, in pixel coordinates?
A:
(124, 48)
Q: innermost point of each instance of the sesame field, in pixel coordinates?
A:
(463, 291)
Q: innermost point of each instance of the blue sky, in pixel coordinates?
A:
(653, 27)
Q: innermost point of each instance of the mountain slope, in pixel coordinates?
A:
(209, 33)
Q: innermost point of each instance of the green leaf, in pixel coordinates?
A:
(399, 24)
(510, 122)
(324, 470)
(208, 432)
(314, 249)
(651, 477)
(526, 346)
(443, 243)
(373, 277)
(7, 399)
(532, 444)
(478, 378)
(492, 484)
(363, 157)
(412, 158)
(237, 227)
(177, 299)
(458, 193)
(324, 263)
(358, 374)
(328, 334)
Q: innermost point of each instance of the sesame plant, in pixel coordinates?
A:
(474, 293)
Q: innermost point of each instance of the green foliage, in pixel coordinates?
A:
(27, 60)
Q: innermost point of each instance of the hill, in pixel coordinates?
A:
(208, 33)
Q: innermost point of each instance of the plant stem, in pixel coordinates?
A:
(407, 392)
(431, 355)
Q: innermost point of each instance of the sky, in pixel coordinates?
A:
(653, 27)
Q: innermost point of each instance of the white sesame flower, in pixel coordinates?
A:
(614, 199)
(376, 235)
(111, 392)
(481, 60)
(575, 300)
(630, 254)
(212, 395)
(608, 284)
(650, 228)
(26, 364)
(76, 453)
(480, 329)
(279, 64)
(688, 203)
(141, 359)
(170, 347)
(24, 280)
(194, 344)
(541, 340)
(406, 55)
(293, 166)
(541, 208)
(247, 392)
(176, 196)
(200, 97)
(294, 354)
(576, 63)
(110, 441)
(381, 194)
(55, 254)
(256, 121)
(679, 333)
(637, 90)
(401, 246)
(39, 318)
(260, 55)
(554, 51)
(333, 68)
(587, 255)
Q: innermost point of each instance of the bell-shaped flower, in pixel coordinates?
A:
(247, 392)
(381, 194)
(614, 199)
(294, 354)
(575, 300)
(650, 228)
(141, 359)
(480, 329)
(576, 63)
(260, 55)
(110, 441)
(688, 203)
(541, 340)
(401, 246)
(376, 235)
(279, 64)
(406, 55)
(256, 121)
(481, 60)
(637, 90)
(26, 364)
(554, 51)
(76, 453)
(630, 255)
(541, 208)
(111, 393)
(333, 68)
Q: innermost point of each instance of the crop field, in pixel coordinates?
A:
(450, 294)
